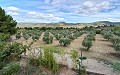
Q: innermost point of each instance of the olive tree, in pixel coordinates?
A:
(47, 38)
(26, 36)
(87, 43)
(18, 35)
(115, 41)
(65, 41)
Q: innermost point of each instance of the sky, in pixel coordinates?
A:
(70, 11)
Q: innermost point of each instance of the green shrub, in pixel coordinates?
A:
(116, 66)
(74, 56)
(34, 61)
(87, 44)
(98, 31)
(117, 47)
(47, 38)
(18, 35)
(4, 37)
(115, 41)
(26, 36)
(65, 41)
(10, 69)
(48, 60)
(35, 37)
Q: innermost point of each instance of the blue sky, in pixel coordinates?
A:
(73, 11)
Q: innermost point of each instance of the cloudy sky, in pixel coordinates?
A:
(74, 11)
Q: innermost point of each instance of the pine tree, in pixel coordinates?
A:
(7, 24)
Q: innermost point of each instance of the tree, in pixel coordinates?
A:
(47, 38)
(115, 41)
(87, 44)
(65, 41)
(7, 24)
(26, 36)
(18, 35)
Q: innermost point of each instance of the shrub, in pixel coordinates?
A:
(10, 69)
(4, 37)
(116, 66)
(48, 39)
(26, 36)
(33, 61)
(18, 35)
(35, 37)
(117, 47)
(115, 40)
(65, 41)
(87, 44)
(74, 56)
(98, 31)
(48, 60)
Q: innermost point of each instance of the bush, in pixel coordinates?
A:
(116, 66)
(34, 61)
(74, 56)
(10, 69)
(48, 39)
(35, 37)
(26, 36)
(65, 41)
(98, 31)
(4, 37)
(48, 60)
(87, 44)
(117, 47)
(115, 40)
(18, 35)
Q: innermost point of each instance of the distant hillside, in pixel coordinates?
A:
(98, 23)
(106, 23)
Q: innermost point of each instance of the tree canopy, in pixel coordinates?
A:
(7, 24)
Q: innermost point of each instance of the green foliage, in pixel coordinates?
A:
(33, 61)
(26, 36)
(4, 37)
(65, 41)
(115, 41)
(74, 56)
(7, 50)
(98, 31)
(7, 24)
(10, 69)
(107, 34)
(35, 37)
(116, 66)
(87, 44)
(117, 47)
(47, 38)
(18, 35)
(50, 60)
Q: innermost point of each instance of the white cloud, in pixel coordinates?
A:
(93, 7)
(42, 16)
(47, 1)
(13, 13)
(111, 19)
(12, 8)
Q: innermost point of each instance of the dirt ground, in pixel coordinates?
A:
(98, 57)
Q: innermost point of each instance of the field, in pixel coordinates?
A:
(100, 56)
